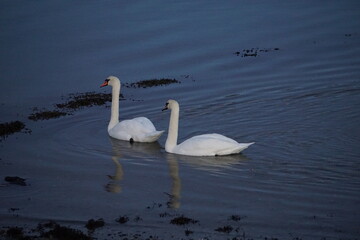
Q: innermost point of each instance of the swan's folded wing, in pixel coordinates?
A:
(207, 145)
(144, 124)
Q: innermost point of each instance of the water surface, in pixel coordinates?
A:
(298, 98)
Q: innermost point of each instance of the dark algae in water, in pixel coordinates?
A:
(151, 83)
(15, 233)
(74, 102)
(45, 115)
(16, 180)
(224, 229)
(183, 220)
(254, 52)
(65, 233)
(122, 219)
(88, 99)
(9, 128)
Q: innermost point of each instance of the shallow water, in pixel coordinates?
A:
(298, 99)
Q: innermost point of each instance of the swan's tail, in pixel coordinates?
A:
(238, 149)
(153, 136)
(243, 146)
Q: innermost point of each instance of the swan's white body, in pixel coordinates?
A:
(201, 145)
(139, 129)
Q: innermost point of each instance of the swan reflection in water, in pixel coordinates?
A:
(174, 197)
(123, 149)
(209, 164)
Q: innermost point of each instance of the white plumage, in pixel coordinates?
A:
(201, 145)
(139, 129)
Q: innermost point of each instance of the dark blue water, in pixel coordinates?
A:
(285, 75)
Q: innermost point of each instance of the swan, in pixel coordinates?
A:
(202, 145)
(139, 129)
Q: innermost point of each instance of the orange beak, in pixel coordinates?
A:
(104, 84)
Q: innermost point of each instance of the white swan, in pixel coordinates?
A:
(201, 145)
(139, 129)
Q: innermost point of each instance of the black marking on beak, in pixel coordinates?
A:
(166, 107)
(106, 82)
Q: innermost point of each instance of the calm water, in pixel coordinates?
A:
(298, 99)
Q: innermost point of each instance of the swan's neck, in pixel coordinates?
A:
(171, 140)
(114, 119)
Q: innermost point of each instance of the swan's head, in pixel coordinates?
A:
(171, 104)
(111, 81)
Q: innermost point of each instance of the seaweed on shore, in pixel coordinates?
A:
(151, 83)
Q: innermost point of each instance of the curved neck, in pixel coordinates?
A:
(171, 140)
(114, 119)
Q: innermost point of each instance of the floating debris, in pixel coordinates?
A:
(137, 219)
(151, 83)
(225, 229)
(183, 220)
(45, 115)
(122, 219)
(235, 218)
(16, 180)
(9, 128)
(254, 52)
(188, 232)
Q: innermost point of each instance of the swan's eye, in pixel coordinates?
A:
(167, 104)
